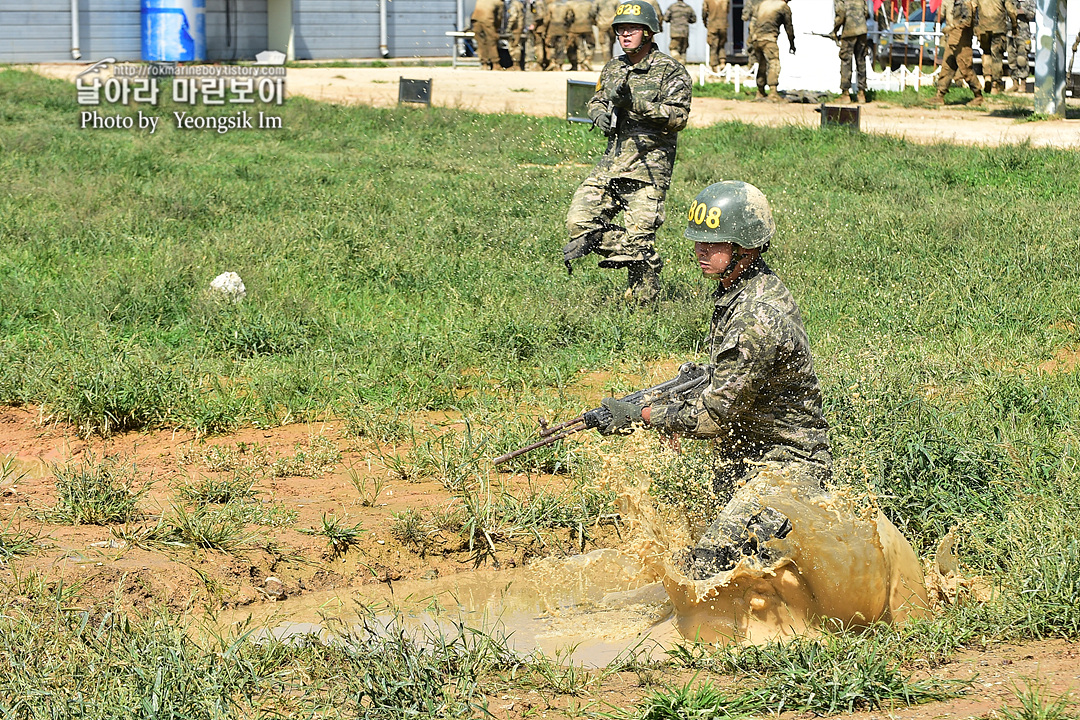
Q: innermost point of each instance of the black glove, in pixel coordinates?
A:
(603, 121)
(620, 96)
(623, 415)
(579, 247)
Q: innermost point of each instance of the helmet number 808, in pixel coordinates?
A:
(701, 213)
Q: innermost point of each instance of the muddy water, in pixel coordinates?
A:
(16, 469)
(587, 608)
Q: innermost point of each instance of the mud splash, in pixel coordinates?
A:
(843, 563)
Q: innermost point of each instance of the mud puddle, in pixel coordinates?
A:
(585, 609)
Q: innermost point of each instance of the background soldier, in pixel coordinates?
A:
(605, 13)
(714, 13)
(958, 19)
(515, 26)
(766, 19)
(1018, 39)
(535, 43)
(659, 16)
(991, 24)
(580, 42)
(559, 19)
(849, 28)
(642, 101)
(487, 20)
(763, 399)
(679, 17)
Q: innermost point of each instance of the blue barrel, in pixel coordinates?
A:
(173, 30)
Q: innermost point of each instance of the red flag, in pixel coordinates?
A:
(934, 5)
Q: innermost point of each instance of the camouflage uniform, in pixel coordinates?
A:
(763, 405)
(635, 171)
(605, 13)
(580, 41)
(714, 13)
(748, 10)
(515, 26)
(767, 17)
(680, 17)
(659, 16)
(991, 27)
(957, 18)
(850, 30)
(1018, 39)
(559, 18)
(536, 41)
(487, 20)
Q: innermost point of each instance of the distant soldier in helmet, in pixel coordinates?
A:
(642, 101)
(581, 41)
(764, 400)
(849, 29)
(1018, 40)
(957, 23)
(515, 29)
(714, 13)
(766, 19)
(558, 19)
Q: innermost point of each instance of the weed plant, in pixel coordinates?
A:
(16, 541)
(339, 536)
(95, 492)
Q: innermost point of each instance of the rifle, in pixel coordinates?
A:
(691, 377)
(830, 36)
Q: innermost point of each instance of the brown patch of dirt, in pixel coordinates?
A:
(286, 562)
(1064, 360)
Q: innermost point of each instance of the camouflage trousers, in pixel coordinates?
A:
(590, 221)
(606, 42)
(1019, 43)
(678, 48)
(515, 47)
(717, 40)
(535, 51)
(487, 44)
(747, 522)
(556, 51)
(957, 60)
(766, 53)
(853, 50)
(579, 50)
(993, 55)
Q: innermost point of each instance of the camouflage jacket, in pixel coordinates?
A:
(515, 17)
(992, 17)
(957, 16)
(851, 17)
(643, 145)
(767, 18)
(764, 401)
(680, 16)
(558, 18)
(714, 13)
(605, 13)
(584, 16)
(488, 12)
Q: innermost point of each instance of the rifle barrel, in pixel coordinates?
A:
(550, 439)
(556, 428)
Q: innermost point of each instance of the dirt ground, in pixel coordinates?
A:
(281, 565)
(544, 93)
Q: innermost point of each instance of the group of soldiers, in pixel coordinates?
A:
(552, 34)
(1001, 26)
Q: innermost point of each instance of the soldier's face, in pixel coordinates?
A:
(714, 258)
(631, 37)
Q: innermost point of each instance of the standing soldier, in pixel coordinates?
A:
(849, 28)
(957, 20)
(580, 41)
(1021, 13)
(766, 19)
(748, 9)
(680, 17)
(714, 14)
(659, 16)
(990, 29)
(535, 42)
(487, 19)
(605, 13)
(642, 101)
(559, 19)
(515, 26)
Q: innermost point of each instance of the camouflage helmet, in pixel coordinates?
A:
(731, 211)
(637, 12)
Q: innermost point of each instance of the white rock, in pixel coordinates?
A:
(230, 285)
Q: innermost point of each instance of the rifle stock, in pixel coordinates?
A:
(691, 376)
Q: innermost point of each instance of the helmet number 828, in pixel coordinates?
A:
(701, 213)
(629, 9)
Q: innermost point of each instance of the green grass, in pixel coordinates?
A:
(95, 492)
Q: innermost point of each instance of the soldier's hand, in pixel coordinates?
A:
(603, 121)
(791, 50)
(623, 415)
(620, 96)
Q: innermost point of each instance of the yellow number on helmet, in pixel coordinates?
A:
(699, 213)
(637, 9)
(690, 215)
(713, 218)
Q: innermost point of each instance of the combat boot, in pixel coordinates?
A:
(642, 283)
(844, 98)
(977, 101)
(760, 96)
(939, 99)
(862, 97)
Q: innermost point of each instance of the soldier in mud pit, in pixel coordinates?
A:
(957, 21)
(763, 402)
(642, 101)
(766, 19)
